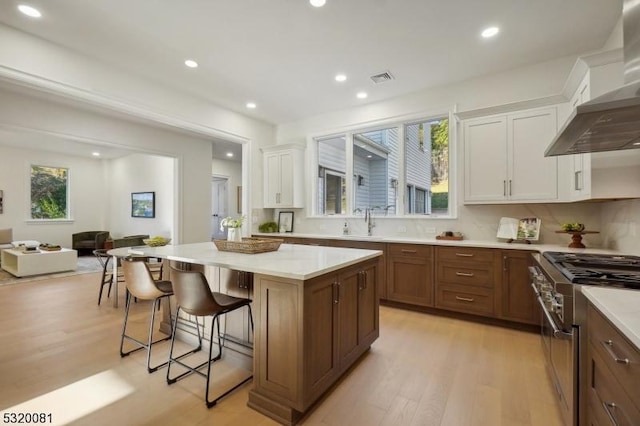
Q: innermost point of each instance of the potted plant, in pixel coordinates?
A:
(233, 225)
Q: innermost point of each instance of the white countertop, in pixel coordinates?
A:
(299, 262)
(620, 306)
(432, 241)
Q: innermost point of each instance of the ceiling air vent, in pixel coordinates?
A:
(382, 77)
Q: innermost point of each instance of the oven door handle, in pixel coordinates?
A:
(557, 333)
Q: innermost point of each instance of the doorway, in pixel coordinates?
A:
(219, 205)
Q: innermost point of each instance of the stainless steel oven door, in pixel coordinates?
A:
(558, 347)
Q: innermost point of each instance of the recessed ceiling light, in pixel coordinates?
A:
(95, 154)
(229, 154)
(361, 95)
(191, 63)
(317, 3)
(341, 77)
(369, 156)
(636, 143)
(29, 11)
(251, 105)
(490, 32)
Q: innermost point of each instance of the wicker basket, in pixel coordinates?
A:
(249, 245)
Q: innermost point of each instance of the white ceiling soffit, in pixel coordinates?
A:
(284, 54)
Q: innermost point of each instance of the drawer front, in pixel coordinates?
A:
(473, 300)
(608, 402)
(470, 254)
(616, 352)
(412, 250)
(473, 274)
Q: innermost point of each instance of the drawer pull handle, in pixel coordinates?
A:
(607, 407)
(608, 345)
(409, 251)
(464, 254)
(465, 299)
(464, 274)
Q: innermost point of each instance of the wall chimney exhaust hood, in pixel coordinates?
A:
(609, 122)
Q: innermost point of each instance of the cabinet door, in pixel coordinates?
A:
(410, 277)
(286, 179)
(348, 297)
(368, 312)
(518, 302)
(321, 325)
(271, 180)
(532, 176)
(485, 159)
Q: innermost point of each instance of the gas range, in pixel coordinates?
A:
(608, 270)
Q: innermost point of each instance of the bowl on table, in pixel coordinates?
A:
(156, 241)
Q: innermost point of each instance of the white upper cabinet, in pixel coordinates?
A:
(504, 158)
(284, 176)
(601, 175)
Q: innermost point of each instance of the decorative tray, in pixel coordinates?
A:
(249, 245)
(50, 248)
(449, 237)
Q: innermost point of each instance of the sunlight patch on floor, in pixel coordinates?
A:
(76, 400)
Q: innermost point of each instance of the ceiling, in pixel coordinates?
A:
(283, 54)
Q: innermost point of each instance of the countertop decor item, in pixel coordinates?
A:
(249, 245)
(576, 237)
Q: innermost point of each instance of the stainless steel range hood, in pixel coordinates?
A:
(609, 122)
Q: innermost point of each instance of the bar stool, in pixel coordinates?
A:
(107, 275)
(142, 286)
(194, 297)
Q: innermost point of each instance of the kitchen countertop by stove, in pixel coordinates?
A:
(620, 306)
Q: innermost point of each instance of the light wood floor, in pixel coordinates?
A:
(59, 354)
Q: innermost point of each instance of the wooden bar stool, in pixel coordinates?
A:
(142, 286)
(194, 297)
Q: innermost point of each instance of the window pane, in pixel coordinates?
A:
(375, 168)
(49, 192)
(332, 164)
(427, 167)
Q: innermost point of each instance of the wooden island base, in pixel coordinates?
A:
(308, 334)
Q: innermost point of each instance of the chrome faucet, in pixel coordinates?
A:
(369, 220)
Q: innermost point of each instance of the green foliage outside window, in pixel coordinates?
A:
(49, 187)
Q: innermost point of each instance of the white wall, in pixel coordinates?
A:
(540, 83)
(34, 61)
(193, 154)
(141, 173)
(87, 189)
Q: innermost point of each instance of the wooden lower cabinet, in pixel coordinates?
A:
(467, 280)
(518, 303)
(410, 274)
(613, 374)
(490, 282)
(310, 333)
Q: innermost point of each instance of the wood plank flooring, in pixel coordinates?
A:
(59, 354)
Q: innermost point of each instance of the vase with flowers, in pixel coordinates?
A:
(234, 227)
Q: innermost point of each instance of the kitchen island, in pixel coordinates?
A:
(316, 312)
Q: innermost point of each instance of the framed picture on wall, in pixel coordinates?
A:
(143, 204)
(285, 222)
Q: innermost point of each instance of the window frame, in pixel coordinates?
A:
(400, 123)
(68, 217)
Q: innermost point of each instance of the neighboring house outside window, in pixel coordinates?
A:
(49, 192)
(414, 153)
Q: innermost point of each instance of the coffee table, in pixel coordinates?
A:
(22, 264)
